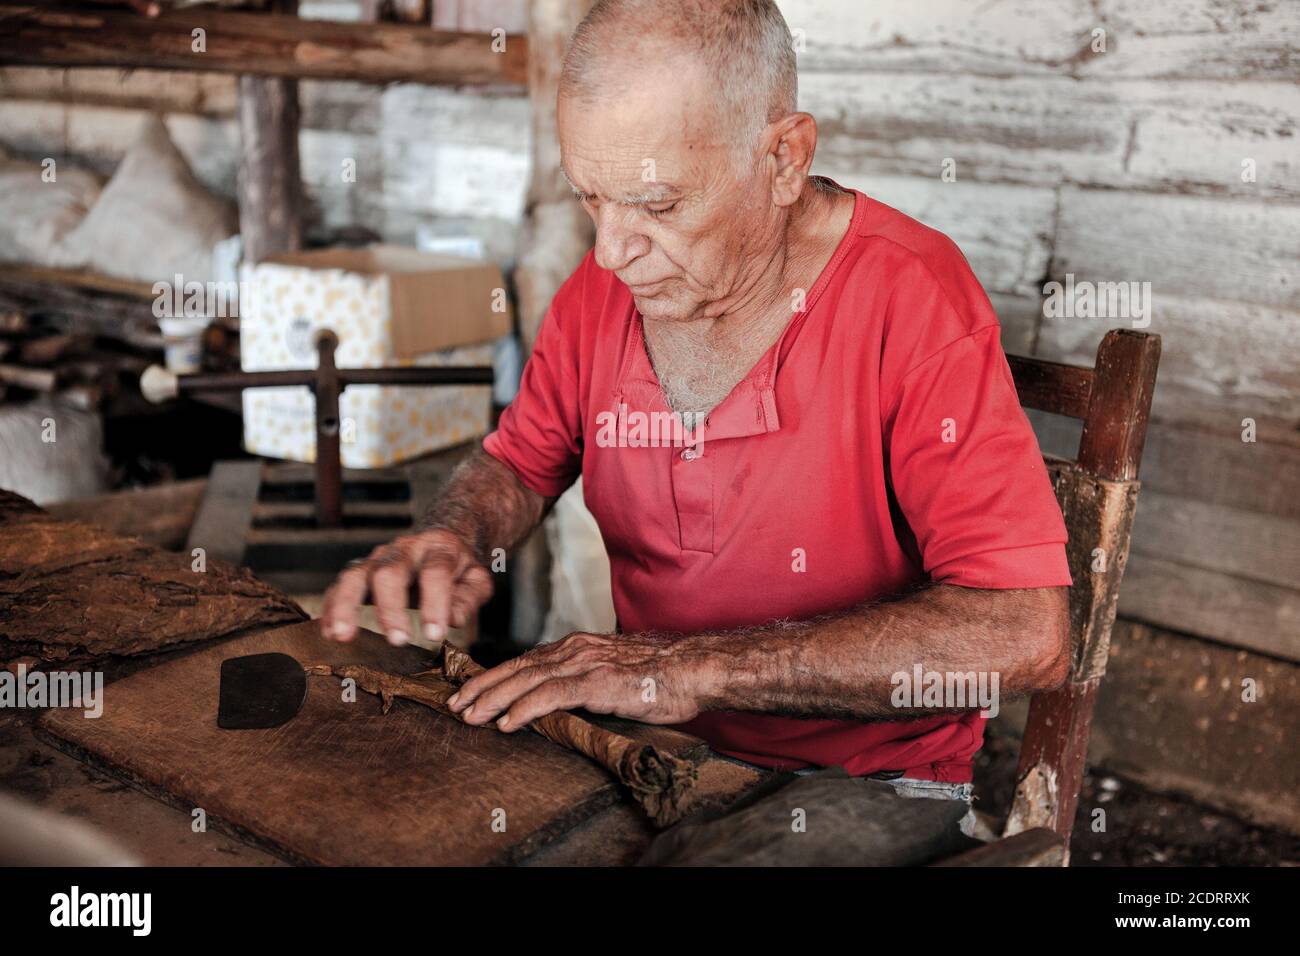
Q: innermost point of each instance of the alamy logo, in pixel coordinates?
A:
(75, 908)
(18, 688)
(637, 429)
(1098, 300)
(195, 299)
(946, 690)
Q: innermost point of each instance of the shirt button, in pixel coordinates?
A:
(690, 454)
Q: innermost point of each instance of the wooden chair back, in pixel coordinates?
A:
(1098, 494)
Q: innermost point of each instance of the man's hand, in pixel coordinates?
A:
(648, 678)
(453, 585)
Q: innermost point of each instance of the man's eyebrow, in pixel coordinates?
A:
(658, 192)
(577, 193)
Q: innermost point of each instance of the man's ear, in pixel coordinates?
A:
(793, 140)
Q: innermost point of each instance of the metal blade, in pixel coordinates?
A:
(260, 691)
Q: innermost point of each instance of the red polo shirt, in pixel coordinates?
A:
(879, 443)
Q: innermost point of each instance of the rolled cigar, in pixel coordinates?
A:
(658, 781)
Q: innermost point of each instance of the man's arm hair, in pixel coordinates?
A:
(486, 505)
(842, 665)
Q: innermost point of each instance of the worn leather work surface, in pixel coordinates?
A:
(845, 821)
(341, 783)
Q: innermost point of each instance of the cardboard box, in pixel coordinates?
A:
(389, 306)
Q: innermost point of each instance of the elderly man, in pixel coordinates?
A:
(855, 497)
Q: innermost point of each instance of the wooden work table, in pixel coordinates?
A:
(138, 771)
(342, 782)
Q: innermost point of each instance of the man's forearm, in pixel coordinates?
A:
(487, 506)
(843, 665)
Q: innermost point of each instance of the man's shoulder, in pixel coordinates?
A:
(933, 297)
(914, 253)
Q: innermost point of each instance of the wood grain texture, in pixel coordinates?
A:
(1215, 604)
(1206, 460)
(266, 45)
(1115, 429)
(1232, 356)
(1052, 757)
(341, 783)
(1143, 135)
(1173, 39)
(1175, 715)
(270, 180)
(619, 835)
(1099, 516)
(1180, 244)
(1219, 538)
(1052, 386)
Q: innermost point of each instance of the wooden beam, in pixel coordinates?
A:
(557, 232)
(556, 235)
(250, 43)
(270, 178)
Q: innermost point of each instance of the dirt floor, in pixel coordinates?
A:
(1141, 828)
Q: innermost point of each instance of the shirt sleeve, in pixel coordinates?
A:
(968, 474)
(539, 436)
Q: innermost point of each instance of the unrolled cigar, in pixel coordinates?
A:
(659, 781)
(424, 688)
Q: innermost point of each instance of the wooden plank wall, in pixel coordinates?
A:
(1115, 166)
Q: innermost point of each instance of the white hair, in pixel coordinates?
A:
(745, 44)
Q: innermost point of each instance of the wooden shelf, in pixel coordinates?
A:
(257, 44)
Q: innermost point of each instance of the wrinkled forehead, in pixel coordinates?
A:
(660, 122)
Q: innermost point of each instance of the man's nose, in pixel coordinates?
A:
(618, 242)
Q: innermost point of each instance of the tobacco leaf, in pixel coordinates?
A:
(424, 688)
(71, 592)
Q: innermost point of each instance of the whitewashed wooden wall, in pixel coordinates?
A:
(1123, 165)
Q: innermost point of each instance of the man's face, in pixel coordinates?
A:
(675, 220)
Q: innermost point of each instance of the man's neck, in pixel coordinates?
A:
(699, 362)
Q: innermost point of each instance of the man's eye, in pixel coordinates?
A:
(663, 211)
